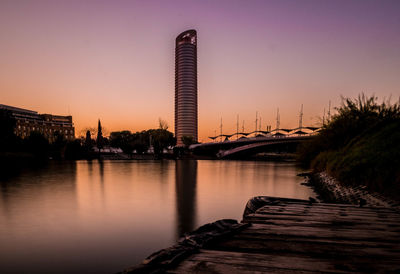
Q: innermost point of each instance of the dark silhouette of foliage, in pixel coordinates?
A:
(360, 145)
(38, 145)
(88, 140)
(188, 140)
(354, 118)
(8, 140)
(123, 140)
(58, 146)
(99, 141)
(162, 124)
(141, 141)
(74, 150)
(161, 139)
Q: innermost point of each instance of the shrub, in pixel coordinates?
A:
(360, 145)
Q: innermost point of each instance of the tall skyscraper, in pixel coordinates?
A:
(186, 86)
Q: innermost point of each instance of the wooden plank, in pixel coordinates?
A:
(330, 214)
(267, 262)
(331, 209)
(351, 211)
(223, 268)
(306, 202)
(309, 247)
(329, 206)
(390, 226)
(304, 218)
(362, 243)
(338, 228)
(327, 241)
(328, 224)
(317, 232)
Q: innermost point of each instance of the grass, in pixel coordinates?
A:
(360, 146)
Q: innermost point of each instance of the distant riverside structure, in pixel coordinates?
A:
(186, 86)
(49, 125)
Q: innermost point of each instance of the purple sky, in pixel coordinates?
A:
(114, 60)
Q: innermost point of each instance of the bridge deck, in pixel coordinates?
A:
(295, 236)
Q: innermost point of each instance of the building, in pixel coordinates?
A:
(186, 86)
(49, 125)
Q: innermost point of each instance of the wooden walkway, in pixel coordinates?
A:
(292, 236)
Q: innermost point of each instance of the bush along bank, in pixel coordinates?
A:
(359, 147)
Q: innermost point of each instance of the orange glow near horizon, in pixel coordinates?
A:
(114, 61)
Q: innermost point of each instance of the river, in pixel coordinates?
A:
(101, 217)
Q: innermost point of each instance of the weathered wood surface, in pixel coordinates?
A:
(295, 236)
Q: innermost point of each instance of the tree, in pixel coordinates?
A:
(162, 124)
(99, 140)
(188, 140)
(38, 145)
(141, 141)
(7, 125)
(58, 146)
(88, 139)
(74, 150)
(123, 140)
(161, 139)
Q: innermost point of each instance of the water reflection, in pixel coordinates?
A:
(185, 187)
(40, 184)
(101, 173)
(30, 206)
(103, 216)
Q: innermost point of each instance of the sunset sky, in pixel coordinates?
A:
(114, 60)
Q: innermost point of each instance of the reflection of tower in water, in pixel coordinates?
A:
(185, 185)
(101, 174)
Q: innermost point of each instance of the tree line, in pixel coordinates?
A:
(37, 147)
(140, 142)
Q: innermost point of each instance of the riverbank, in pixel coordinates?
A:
(359, 147)
(330, 190)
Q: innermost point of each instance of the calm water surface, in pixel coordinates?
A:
(101, 217)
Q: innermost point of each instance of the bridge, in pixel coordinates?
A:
(278, 139)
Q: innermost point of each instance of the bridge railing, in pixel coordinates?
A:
(277, 133)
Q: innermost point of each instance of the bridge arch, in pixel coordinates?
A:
(253, 148)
